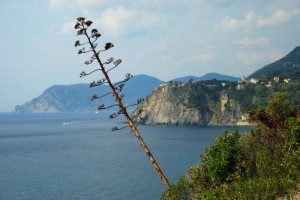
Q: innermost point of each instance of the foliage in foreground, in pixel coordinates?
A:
(262, 165)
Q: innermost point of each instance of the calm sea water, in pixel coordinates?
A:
(76, 156)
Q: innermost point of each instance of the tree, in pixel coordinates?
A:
(272, 119)
(264, 164)
(82, 27)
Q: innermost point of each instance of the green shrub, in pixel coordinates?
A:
(223, 159)
(264, 164)
(180, 190)
(258, 188)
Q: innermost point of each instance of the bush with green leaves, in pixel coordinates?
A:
(264, 164)
(223, 159)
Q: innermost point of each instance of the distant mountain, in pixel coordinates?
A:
(140, 86)
(286, 67)
(62, 98)
(209, 76)
(77, 98)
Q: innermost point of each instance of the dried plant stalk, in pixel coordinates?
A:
(82, 25)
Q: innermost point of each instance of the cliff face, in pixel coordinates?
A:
(190, 104)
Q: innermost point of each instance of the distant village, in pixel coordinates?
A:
(243, 82)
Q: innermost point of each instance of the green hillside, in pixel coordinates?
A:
(250, 97)
(286, 67)
(255, 95)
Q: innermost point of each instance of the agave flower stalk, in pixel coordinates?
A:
(82, 26)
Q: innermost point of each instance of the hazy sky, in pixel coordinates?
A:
(162, 38)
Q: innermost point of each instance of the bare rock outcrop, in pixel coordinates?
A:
(190, 104)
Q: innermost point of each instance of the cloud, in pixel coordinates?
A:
(146, 19)
(115, 20)
(246, 42)
(87, 3)
(58, 4)
(198, 55)
(55, 4)
(279, 17)
(67, 27)
(120, 20)
(202, 57)
(232, 24)
(258, 57)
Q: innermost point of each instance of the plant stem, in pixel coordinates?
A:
(129, 120)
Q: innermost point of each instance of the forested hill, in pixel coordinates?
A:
(286, 67)
(208, 76)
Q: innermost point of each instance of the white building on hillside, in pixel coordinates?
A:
(253, 80)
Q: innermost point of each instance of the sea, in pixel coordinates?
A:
(77, 156)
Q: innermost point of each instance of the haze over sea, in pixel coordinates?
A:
(76, 156)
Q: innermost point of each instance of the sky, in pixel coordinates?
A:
(166, 39)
